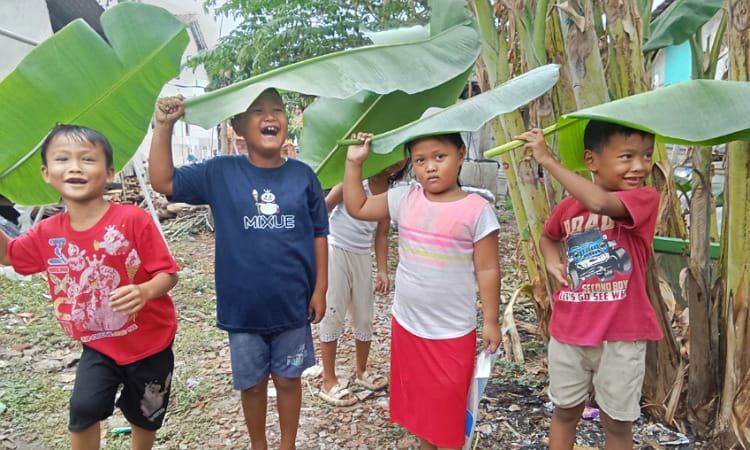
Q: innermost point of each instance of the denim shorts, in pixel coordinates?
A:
(286, 353)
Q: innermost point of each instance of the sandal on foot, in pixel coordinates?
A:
(371, 381)
(338, 396)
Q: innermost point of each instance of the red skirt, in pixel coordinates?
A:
(430, 381)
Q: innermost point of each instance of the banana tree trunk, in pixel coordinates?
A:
(734, 409)
(702, 385)
(625, 70)
(582, 46)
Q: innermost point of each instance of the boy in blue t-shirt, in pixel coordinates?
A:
(271, 253)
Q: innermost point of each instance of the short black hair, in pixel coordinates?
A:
(81, 134)
(598, 133)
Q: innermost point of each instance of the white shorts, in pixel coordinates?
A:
(614, 371)
(350, 289)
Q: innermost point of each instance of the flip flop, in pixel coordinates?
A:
(336, 396)
(373, 382)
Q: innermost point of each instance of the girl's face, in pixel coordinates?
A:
(436, 164)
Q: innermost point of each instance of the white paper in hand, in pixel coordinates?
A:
(482, 372)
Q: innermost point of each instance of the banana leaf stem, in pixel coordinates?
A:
(512, 145)
(348, 142)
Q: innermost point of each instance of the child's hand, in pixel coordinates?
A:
(557, 271)
(317, 307)
(128, 299)
(491, 336)
(536, 145)
(168, 110)
(382, 283)
(358, 153)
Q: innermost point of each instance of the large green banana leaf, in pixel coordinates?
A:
(328, 120)
(679, 22)
(76, 77)
(411, 66)
(471, 114)
(696, 112)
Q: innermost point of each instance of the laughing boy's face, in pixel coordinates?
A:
(264, 124)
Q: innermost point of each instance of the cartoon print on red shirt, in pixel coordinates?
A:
(83, 285)
(592, 254)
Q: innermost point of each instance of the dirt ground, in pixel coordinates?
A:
(37, 369)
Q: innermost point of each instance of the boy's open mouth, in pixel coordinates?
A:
(269, 130)
(75, 181)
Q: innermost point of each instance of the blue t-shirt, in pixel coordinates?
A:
(266, 221)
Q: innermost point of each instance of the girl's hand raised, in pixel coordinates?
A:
(358, 153)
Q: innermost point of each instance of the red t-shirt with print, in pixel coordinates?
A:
(606, 262)
(84, 267)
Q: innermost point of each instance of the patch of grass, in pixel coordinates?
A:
(36, 405)
(21, 298)
(513, 372)
(533, 348)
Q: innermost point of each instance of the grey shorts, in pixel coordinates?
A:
(612, 370)
(286, 353)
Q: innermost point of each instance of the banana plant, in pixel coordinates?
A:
(411, 66)
(680, 22)
(696, 112)
(471, 114)
(329, 120)
(77, 77)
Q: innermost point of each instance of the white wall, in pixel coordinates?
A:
(28, 18)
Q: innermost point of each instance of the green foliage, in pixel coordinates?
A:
(679, 22)
(329, 120)
(380, 69)
(276, 33)
(695, 112)
(77, 77)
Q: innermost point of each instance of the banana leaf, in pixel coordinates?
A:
(695, 112)
(412, 66)
(471, 114)
(679, 22)
(76, 77)
(329, 120)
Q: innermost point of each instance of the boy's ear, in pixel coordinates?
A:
(591, 160)
(45, 173)
(462, 152)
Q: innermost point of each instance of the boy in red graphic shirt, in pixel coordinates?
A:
(109, 273)
(601, 316)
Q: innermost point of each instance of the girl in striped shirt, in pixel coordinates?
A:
(447, 246)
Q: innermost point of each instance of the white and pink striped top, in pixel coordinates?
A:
(435, 282)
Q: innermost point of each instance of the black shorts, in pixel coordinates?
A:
(144, 397)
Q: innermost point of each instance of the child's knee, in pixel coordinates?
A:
(616, 428)
(286, 384)
(569, 415)
(258, 389)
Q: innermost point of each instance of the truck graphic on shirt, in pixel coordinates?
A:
(590, 253)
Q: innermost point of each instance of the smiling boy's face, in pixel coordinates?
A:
(264, 125)
(624, 163)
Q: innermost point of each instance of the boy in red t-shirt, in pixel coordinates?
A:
(601, 316)
(109, 272)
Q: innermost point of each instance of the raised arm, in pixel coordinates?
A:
(4, 241)
(357, 203)
(592, 196)
(160, 165)
(334, 197)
